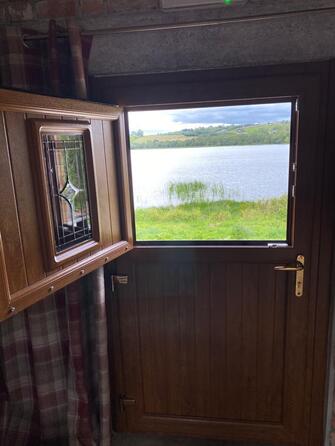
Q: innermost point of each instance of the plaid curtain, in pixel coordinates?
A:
(24, 62)
(54, 374)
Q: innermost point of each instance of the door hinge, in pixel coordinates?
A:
(118, 280)
(125, 402)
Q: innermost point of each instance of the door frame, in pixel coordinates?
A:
(139, 90)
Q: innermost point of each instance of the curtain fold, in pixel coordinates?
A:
(29, 65)
(21, 66)
(54, 374)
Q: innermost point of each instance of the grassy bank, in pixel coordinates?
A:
(217, 220)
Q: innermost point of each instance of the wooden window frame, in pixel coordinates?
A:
(38, 127)
(293, 145)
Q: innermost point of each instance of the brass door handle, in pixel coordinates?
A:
(298, 267)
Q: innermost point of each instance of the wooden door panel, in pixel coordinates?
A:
(211, 339)
(205, 350)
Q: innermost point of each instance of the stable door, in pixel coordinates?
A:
(215, 310)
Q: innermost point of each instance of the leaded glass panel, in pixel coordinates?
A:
(68, 187)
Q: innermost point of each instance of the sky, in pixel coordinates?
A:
(164, 121)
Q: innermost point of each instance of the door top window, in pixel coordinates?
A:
(213, 174)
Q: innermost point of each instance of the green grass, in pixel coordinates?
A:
(216, 220)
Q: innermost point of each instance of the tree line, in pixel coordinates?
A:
(234, 135)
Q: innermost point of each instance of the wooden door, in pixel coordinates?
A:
(212, 341)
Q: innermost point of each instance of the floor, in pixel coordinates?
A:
(154, 440)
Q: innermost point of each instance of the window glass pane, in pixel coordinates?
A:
(216, 173)
(66, 166)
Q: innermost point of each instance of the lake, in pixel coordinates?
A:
(247, 173)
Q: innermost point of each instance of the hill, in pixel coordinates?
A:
(234, 135)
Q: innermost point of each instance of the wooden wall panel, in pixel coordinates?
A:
(9, 222)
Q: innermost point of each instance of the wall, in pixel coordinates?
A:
(127, 40)
(289, 31)
(36, 10)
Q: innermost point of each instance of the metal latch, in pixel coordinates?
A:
(118, 280)
(126, 402)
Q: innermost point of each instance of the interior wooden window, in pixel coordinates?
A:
(66, 189)
(214, 174)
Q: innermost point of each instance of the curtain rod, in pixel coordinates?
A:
(182, 25)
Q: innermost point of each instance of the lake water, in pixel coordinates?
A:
(247, 173)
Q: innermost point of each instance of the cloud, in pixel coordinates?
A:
(163, 121)
(239, 114)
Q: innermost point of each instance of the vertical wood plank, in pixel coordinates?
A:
(9, 221)
(151, 307)
(26, 205)
(265, 342)
(130, 357)
(171, 321)
(112, 181)
(101, 183)
(234, 340)
(124, 179)
(278, 353)
(219, 404)
(187, 340)
(250, 284)
(202, 376)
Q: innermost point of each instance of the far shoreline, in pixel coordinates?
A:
(210, 147)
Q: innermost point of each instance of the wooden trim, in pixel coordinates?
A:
(58, 280)
(36, 128)
(326, 272)
(140, 89)
(212, 429)
(17, 101)
(126, 202)
(4, 285)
